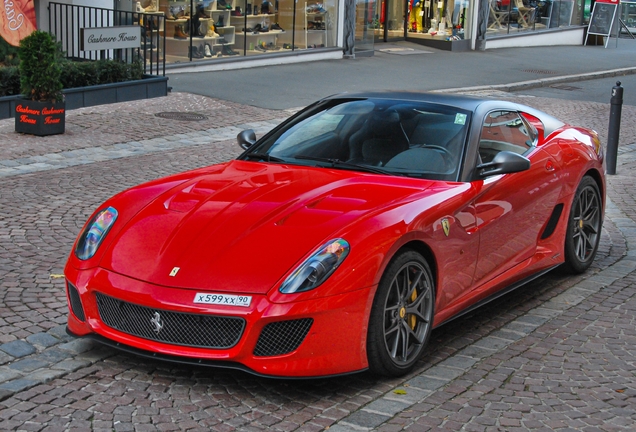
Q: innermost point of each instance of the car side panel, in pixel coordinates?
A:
(511, 211)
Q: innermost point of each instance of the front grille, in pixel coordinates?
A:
(204, 331)
(282, 337)
(76, 303)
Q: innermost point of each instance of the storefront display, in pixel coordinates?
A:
(209, 29)
(514, 16)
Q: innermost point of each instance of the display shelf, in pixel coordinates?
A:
(315, 37)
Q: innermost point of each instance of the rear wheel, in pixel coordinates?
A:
(584, 227)
(401, 316)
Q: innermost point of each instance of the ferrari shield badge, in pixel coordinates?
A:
(175, 270)
(446, 226)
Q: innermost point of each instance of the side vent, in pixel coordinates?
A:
(76, 303)
(552, 222)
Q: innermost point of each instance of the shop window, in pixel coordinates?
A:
(211, 29)
(512, 16)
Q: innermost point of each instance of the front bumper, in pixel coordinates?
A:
(319, 337)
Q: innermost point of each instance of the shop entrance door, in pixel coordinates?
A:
(366, 26)
(389, 20)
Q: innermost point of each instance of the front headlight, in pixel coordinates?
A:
(94, 233)
(317, 268)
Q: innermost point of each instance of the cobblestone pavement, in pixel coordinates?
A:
(557, 354)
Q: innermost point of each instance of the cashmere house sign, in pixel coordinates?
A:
(105, 38)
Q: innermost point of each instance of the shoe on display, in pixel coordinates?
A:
(228, 51)
(169, 14)
(211, 32)
(221, 41)
(222, 4)
(138, 7)
(201, 12)
(219, 23)
(179, 33)
(255, 9)
(236, 11)
(178, 12)
(196, 53)
(265, 7)
(271, 47)
(248, 9)
(208, 50)
(151, 6)
(276, 27)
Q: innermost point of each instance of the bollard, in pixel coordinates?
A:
(616, 105)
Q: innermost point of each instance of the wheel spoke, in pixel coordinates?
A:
(405, 340)
(409, 331)
(414, 283)
(394, 326)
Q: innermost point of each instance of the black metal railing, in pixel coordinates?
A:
(66, 20)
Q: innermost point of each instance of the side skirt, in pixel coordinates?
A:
(498, 294)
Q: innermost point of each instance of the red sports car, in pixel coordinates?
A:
(340, 239)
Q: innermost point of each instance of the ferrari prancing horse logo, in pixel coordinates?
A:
(446, 226)
(174, 271)
(156, 322)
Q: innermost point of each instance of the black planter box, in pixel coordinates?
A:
(148, 87)
(39, 118)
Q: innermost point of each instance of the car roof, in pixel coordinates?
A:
(468, 103)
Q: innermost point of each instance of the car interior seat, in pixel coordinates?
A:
(379, 139)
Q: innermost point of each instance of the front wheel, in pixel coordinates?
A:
(584, 227)
(401, 316)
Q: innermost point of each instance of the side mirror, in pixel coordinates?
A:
(504, 162)
(246, 138)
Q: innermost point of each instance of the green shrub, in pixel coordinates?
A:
(77, 74)
(8, 54)
(84, 74)
(9, 81)
(40, 67)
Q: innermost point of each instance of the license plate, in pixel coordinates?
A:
(223, 299)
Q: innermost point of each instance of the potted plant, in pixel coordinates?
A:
(42, 111)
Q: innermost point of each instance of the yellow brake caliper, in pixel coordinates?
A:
(412, 317)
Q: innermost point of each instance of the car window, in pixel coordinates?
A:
(504, 130)
(406, 138)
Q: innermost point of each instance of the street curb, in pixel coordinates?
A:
(544, 82)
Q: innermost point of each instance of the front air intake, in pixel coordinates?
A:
(74, 300)
(179, 328)
(282, 337)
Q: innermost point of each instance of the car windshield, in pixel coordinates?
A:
(391, 137)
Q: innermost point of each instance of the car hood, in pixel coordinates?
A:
(244, 226)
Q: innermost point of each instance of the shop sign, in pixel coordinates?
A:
(17, 20)
(105, 38)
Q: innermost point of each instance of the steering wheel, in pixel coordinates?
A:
(446, 154)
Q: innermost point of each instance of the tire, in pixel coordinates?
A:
(401, 317)
(584, 227)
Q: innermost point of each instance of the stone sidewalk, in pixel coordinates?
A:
(557, 354)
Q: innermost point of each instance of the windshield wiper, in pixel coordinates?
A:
(337, 163)
(264, 156)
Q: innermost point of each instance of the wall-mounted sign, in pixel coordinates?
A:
(17, 20)
(104, 38)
